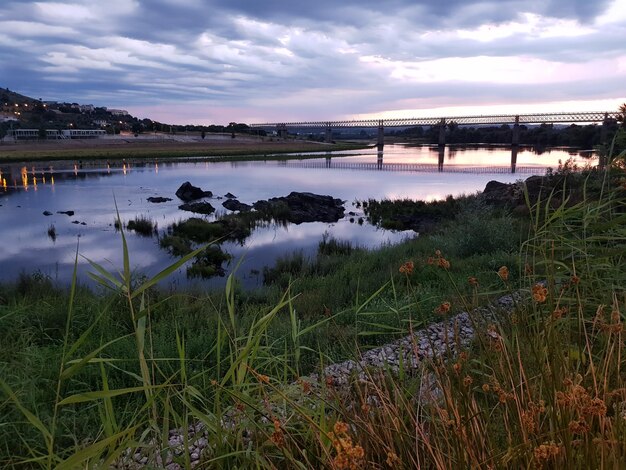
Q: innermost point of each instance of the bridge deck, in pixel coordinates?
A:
(536, 118)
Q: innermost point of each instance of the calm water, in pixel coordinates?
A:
(91, 191)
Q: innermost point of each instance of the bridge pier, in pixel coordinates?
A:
(379, 158)
(442, 132)
(329, 134)
(514, 151)
(515, 134)
(281, 130)
(604, 134)
(381, 134)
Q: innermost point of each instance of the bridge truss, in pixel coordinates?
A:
(536, 118)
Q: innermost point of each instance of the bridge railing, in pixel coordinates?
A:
(534, 118)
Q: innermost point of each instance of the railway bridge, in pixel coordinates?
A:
(587, 117)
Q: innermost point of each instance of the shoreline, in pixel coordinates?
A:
(127, 149)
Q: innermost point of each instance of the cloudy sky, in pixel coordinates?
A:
(216, 61)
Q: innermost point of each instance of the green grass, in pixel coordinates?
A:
(142, 225)
(178, 152)
(85, 375)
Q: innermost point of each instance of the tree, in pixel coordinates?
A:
(622, 114)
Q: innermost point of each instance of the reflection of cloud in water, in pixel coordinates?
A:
(26, 247)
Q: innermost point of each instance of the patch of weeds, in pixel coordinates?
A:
(143, 226)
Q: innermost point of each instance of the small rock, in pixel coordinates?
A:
(70, 213)
(47, 213)
(235, 205)
(158, 199)
(230, 196)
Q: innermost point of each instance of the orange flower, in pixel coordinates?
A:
(503, 272)
(540, 293)
(278, 436)
(407, 268)
(472, 281)
(443, 263)
(264, 378)
(443, 308)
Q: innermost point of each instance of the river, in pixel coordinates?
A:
(32, 242)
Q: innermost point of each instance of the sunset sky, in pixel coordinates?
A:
(218, 61)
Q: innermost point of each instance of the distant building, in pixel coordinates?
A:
(7, 117)
(54, 134)
(86, 108)
(118, 112)
(100, 122)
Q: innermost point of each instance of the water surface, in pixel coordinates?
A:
(92, 190)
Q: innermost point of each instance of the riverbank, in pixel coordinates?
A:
(129, 147)
(99, 369)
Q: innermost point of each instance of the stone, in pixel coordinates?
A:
(188, 192)
(230, 196)
(47, 213)
(235, 205)
(302, 207)
(158, 199)
(198, 207)
(70, 213)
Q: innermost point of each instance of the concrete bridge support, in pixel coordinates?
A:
(515, 134)
(514, 151)
(442, 132)
(604, 135)
(329, 134)
(381, 134)
(281, 130)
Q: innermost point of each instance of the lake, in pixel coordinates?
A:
(33, 242)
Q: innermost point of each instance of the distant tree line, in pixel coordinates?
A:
(544, 135)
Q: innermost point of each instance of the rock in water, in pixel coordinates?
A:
(235, 205)
(188, 192)
(303, 207)
(198, 207)
(159, 199)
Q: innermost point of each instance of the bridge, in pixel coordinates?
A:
(516, 120)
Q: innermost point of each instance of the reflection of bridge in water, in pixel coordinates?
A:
(340, 164)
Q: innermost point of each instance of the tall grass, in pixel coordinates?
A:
(90, 380)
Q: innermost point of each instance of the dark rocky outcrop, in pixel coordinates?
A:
(70, 213)
(158, 199)
(230, 196)
(188, 192)
(302, 207)
(198, 207)
(513, 194)
(235, 205)
(47, 213)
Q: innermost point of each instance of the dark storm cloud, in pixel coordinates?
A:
(338, 57)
